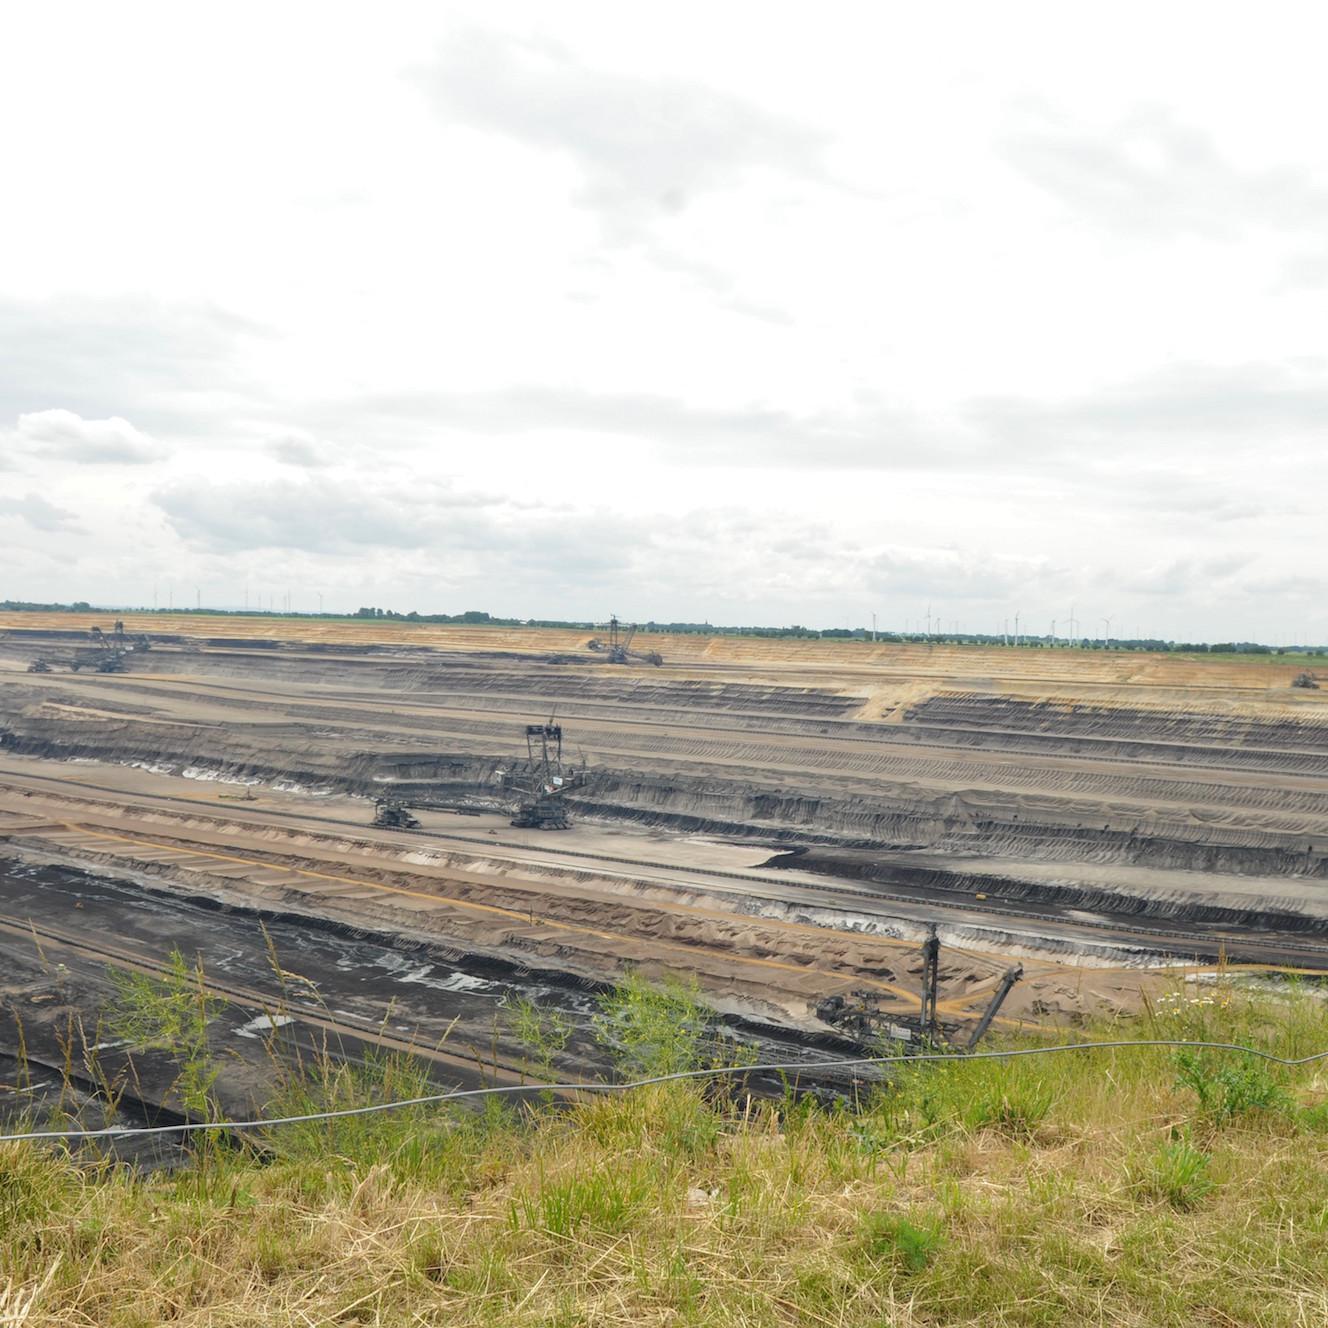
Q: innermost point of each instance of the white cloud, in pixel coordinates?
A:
(63, 435)
(312, 515)
(560, 311)
(164, 361)
(869, 435)
(301, 450)
(1153, 173)
(646, 147)
(37, 512)
(1193, 576)
(1184, 407)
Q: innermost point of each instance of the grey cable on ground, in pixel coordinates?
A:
(190, 1127)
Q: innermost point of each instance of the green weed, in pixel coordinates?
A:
(964, 1192)
(604, 1199)
(1016, 1109)
(910, 1245)
(1177, 1173)
(929, 1101)
(175, 1012)
(543, 1033)
(653, 1030)
(1226, 1090)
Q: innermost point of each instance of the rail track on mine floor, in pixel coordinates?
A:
(340, 1023)
(484, 1068)
(1277, 952)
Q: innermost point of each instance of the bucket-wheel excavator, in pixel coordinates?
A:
(618, 648)
(541, 782)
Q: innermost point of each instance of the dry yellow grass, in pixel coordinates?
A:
(1048, 669)
(1102, 1189)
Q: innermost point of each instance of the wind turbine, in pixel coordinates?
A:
(1106, 640)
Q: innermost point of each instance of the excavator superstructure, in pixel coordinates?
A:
(618, 648)
(540, 784)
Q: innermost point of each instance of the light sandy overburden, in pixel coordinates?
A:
(1039, 666)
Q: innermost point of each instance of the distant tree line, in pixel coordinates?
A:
(470, 616)
(23, 606)
(477, 617)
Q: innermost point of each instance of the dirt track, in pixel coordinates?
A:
(1070, 808)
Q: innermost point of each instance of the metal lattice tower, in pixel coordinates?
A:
(540, 784)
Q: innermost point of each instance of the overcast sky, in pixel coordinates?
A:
(761, 313)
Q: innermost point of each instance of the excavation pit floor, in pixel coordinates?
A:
(777, 822)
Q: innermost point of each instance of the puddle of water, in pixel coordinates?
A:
(290, 786)
(403, 969)
(263, 1023)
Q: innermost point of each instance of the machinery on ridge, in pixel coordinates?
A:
(618, 648)
(110, 651)
(858, 1014)
(393, 814)
(539, 784)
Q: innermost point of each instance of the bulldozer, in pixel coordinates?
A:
(392, 814)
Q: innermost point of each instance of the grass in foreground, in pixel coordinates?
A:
(1113, 1187)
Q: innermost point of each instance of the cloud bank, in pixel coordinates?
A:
(61, 435)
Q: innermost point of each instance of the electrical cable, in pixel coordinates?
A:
(191, 1127)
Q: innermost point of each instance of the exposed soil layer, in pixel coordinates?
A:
(1260, 923)
(1062, 807)
(326, 980)
(1230, 784)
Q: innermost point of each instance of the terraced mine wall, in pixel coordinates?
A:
(1140, 774)
(1048, 669)
(784, 818)
(1268, 913)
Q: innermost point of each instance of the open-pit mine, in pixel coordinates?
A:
(786, 822)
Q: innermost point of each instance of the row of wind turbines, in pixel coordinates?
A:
(935, 626)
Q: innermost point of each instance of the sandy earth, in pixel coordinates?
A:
(1084, 813)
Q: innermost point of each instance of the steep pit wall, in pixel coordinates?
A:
(1210, 783)
(728, 809)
